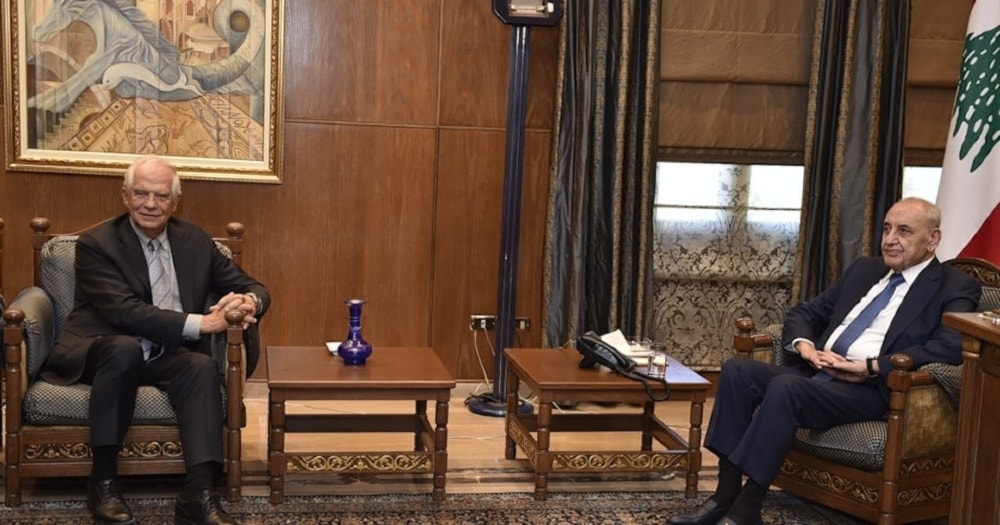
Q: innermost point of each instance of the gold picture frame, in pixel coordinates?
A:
(92, 84)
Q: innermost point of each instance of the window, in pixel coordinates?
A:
(921, 182)
(725, 243)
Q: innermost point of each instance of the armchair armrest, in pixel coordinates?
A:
(762, 346)
(235, 410)
(14, 370)
(37, 331)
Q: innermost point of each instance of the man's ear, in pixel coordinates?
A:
(935, 239)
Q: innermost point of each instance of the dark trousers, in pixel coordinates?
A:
(759, 406)
(115, 369)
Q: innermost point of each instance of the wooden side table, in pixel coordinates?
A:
(554, 375)
(312, 373)
(974, 496)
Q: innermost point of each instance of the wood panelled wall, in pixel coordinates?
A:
(395, 115)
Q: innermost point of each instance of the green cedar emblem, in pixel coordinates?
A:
(977, 104)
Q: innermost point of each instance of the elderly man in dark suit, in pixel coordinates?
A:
(844, 338)
(142, 282)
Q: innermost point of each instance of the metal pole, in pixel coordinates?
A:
(517, 90)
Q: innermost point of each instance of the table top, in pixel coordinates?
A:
(387, 367)
(975, 324)
(558, 368)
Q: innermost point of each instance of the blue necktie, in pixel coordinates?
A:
(863, 320)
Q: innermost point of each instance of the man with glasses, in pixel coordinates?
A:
(142, 282)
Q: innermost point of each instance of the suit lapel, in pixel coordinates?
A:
(918, 296)
(135, 257)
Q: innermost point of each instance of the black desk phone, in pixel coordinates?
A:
(596, 351)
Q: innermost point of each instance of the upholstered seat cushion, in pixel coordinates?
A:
(860, 445)
(48, 404)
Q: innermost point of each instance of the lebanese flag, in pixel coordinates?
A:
(969, 194)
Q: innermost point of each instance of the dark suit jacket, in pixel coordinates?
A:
(916, 330)
(114, 296)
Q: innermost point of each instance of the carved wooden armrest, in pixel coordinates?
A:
(235, 368)
(15, 365)
(759, 346)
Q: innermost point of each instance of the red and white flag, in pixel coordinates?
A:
(969, 194)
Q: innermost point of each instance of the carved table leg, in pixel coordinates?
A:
(647, 424)
(543, 458)
(440, 448)
(276, 445)
(513, 383)
(694, 443)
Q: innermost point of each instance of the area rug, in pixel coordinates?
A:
(619, 508)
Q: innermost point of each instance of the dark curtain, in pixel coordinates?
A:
(598, 248)
(854, 136)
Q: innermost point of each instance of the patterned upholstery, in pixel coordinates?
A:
(48, 404)
(46, 308)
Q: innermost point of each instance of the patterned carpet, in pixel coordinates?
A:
(620, 508)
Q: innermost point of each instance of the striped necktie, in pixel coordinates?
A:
(159, 275)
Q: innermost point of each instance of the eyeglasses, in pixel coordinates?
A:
(143, 196)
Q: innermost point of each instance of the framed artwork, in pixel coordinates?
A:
(92, 84)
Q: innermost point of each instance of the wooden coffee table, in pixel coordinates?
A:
(312, 373)
(554, 375)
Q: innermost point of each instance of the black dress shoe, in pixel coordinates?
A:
(709, 513)
(203, 508)
(106, 504)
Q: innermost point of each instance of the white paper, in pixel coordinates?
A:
(617, 340)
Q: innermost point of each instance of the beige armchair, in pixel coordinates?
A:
(47, 425)
(894, 471)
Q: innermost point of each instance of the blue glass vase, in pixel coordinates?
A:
(354, 350)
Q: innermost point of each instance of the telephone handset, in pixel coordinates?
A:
(596, 351)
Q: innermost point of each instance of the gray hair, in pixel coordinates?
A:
(129, 183)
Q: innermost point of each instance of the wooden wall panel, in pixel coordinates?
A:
(356, 222)
(362, 60)
(475, 49)
(466, 263)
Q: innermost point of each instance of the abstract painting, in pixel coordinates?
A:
(94, 83)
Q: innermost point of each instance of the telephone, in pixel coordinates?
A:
(596, 351)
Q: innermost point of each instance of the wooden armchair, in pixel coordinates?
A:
(47, 425)
(894, 471)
